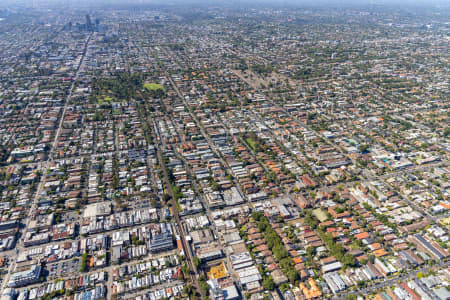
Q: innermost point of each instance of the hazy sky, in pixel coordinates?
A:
(309, 2)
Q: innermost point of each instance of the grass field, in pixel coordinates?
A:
(320, 214)
(251, 143)
(105, 99)
(153, 86)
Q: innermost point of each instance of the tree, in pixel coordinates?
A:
(83, 264)
(361, 284)
(292, 275)
(363, 147)
(447, 131)
(268, 283)
(197, 261)
(310, 251)
(185, 269)
(166, 197)
(204, 287)
(188, 290)
(348, 260)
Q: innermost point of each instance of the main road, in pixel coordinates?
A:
(45, 166)
(185, 244)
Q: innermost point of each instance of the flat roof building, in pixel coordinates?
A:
(25, 277)
(161, 242)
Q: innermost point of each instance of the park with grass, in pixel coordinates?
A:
(153, 86)
(155, 89)
(123, 87)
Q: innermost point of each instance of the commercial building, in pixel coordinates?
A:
(25, 277)
(161, 242)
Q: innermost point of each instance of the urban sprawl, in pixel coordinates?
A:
(196, 152)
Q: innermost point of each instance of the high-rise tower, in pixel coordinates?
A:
(89, 26)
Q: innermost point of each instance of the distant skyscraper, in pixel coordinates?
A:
(68, 26)
(89, 26)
